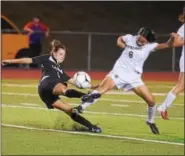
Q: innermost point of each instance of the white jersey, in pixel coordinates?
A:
(180, 32)
(133, 57)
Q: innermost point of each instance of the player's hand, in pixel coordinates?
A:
(174, 35)
(6, 62)
(176, 40)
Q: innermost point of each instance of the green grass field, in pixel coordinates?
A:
(29, 128)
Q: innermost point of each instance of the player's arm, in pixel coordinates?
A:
(166, 45)
(174, 41)
(163, 46)
(17, 61)
(35, 60)
(121, 42)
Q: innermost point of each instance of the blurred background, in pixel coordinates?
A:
(90, 30)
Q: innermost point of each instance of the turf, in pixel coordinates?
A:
(129, 122)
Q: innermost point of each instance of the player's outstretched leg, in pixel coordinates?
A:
(89, 99)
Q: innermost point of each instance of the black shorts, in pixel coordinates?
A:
(45, 90)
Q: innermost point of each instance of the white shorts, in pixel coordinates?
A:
(181, 64)
(126, 83)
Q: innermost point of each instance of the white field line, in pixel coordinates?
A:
(134, 101)
(132, 93)
(35, 85)
(102, 99)
(110, 92)
(19, 94)
(93, 134)
(89, 112)
(74, 104)
(117, 105)
(161, 86)
(19, 85)
(29, 104)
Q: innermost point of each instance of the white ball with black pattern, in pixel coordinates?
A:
(82, 80)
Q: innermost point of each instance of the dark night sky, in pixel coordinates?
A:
(96, 16)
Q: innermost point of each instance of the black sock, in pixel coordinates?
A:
(71, 93)
(82, 121)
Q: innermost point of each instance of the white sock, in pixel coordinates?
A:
(151, 113)
(87, 104)
(94, 92)
(169, 100)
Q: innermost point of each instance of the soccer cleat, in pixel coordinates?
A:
(96, 95)
(87, 98)
(96, 129)
(77, 109)
(90, 97)
(153, 127)
(163, 113)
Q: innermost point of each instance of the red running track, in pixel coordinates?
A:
(36, 73)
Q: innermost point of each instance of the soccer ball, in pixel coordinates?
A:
(82, 79)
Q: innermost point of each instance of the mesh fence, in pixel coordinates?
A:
(99, 52)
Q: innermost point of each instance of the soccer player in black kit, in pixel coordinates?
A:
(54, 82)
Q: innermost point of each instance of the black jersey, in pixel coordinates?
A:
(50, 68)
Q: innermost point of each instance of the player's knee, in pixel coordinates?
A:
(59, 89)
(151, 102)
(181, 87)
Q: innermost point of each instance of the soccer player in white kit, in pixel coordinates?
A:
(127, 71)
(179, 41)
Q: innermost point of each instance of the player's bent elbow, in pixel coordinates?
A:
(120, 43)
